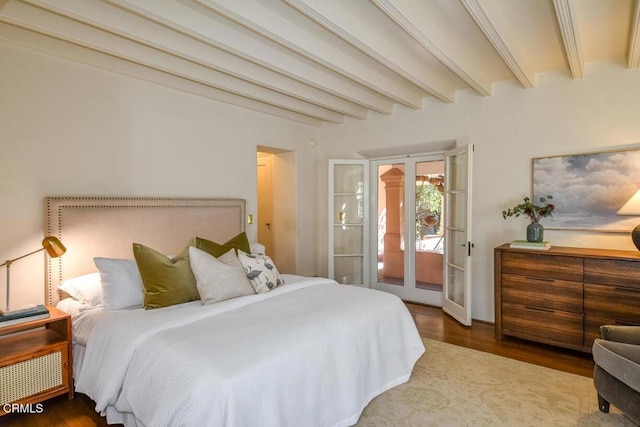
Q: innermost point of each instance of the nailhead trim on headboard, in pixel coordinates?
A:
(55, 205)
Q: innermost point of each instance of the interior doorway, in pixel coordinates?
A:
(265, 203)
(276, 211)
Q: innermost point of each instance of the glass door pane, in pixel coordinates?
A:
(408, 212)
(347, 221)
(390, 220)
(429, 220)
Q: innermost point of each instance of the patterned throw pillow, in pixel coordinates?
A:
(261, 271)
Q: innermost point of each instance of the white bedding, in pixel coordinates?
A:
(309, 353)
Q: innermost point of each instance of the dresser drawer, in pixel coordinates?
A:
(612, 302)
(548, 326)
(592, 327)
(612, 272)
(555, 267)
(542, 292)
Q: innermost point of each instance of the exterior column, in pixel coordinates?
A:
(393, 257)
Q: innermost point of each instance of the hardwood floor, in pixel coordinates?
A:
(435, 324)
(432, 323)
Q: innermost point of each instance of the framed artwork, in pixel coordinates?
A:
(588, 189)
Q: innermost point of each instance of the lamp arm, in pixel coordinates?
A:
(8, 263)
(11, 261)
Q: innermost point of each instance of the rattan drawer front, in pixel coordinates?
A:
(541, 292)
(30, 377)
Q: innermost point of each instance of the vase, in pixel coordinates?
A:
(535, 232)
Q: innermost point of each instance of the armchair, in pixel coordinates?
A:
(616, 375)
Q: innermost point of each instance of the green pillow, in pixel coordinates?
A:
(165, 281)
(217, 250)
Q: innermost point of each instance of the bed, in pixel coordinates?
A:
(307, 352)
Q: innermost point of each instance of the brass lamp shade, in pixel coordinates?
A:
(53, 246)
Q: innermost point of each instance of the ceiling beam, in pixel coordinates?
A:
(346, 24)
(268, 23)
(488, 18)
(218, 32)
(568, 22)
(41, 21)
(68, 51)
(411, 17)
(140, 30)
(634, 37)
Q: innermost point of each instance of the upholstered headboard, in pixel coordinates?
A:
(108, 226)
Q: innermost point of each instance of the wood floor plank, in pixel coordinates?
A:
(432, 323)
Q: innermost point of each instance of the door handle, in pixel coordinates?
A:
(268, 226)
(469, 245)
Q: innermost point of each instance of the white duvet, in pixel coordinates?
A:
(309, 353)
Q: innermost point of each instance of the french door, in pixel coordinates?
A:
(348, 221)
(457, 278)
(403, 226)
(407, 203)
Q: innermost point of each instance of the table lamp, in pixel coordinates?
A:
(632, 207)
(53, 247)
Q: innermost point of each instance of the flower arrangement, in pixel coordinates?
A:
(533, 211)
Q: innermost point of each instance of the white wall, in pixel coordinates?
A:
(71, 129)
(558, 116)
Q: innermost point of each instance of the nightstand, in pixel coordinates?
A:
(36, 362)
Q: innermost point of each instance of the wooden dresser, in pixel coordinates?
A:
(561, 296)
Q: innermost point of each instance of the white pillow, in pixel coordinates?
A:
(86, 288)
(218, 279)
(121, 283)
(257, 248)
(261, 271)
(73, 307)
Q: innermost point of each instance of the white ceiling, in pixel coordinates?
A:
(316, 61)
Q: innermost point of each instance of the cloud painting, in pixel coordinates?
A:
(588, 189)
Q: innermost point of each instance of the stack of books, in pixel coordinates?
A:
(27, 315)
(523, 244)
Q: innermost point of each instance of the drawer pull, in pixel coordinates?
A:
(540, 279)
(546, 310)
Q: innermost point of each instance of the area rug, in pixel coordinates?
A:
(457, 386)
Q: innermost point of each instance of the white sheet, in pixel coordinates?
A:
(82, 318)
(310, 353)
